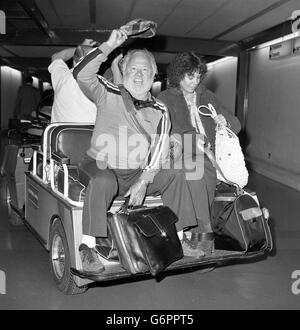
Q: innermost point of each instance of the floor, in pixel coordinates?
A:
(265, 284)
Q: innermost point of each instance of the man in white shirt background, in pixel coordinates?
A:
(70, 104)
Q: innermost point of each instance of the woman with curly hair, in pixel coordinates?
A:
(184, 95)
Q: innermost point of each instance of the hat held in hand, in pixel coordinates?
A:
(140, 28)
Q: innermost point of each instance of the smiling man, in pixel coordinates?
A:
(128, 146)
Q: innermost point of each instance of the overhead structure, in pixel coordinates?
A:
(35, 29)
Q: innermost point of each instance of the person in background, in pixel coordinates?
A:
(70, 104)
(112, 166)
(185, 94)
(28, 98)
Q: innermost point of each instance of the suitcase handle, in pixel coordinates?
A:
(125, 208)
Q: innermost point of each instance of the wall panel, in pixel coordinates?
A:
(273, 117)
(221, 79)
(11, 80)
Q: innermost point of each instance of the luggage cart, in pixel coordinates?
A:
(53, 212)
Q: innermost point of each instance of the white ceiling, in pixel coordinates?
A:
(204, 19)
(209, 27)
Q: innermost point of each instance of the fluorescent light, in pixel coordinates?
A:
(9, 69)
(224, 59)
(278, 40)
(46, 85)
(35, 82)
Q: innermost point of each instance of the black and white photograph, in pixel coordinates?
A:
(150, 158)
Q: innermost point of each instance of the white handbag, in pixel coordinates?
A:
(228, 153)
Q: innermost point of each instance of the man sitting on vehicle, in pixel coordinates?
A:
(128, 146)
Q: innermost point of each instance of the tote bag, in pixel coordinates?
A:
(228, 153)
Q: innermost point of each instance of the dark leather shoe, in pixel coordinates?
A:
(204, 242)
(189, 250)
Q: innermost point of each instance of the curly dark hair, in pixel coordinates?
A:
(182, 63)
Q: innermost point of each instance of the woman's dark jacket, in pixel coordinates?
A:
(180, 115)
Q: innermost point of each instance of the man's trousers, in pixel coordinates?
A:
(179, 194)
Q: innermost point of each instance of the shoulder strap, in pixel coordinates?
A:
(132, 112)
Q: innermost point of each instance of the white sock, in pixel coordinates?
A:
(90, 241)
(180, 234)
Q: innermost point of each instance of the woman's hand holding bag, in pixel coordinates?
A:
(228, 153)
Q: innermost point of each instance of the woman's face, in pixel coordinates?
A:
(190, 82)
